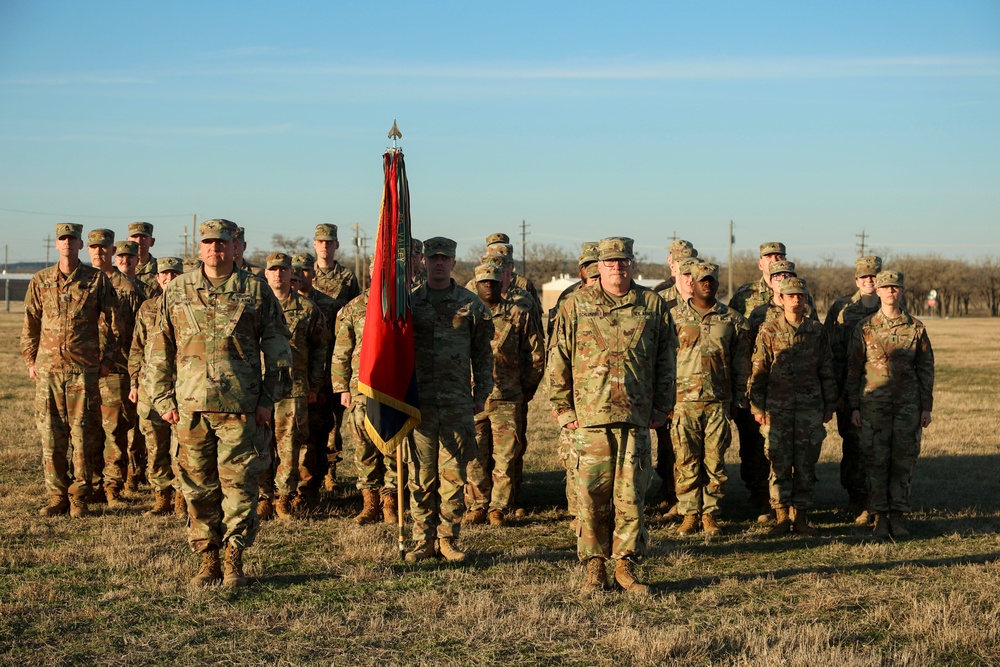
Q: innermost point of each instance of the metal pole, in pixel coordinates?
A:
(6, 279)
(732, 240)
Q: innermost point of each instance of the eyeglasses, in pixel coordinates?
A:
(616, 262)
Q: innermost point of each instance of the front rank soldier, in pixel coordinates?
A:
(65, 354)
(216, 371)
(142, 234)
(779, 272)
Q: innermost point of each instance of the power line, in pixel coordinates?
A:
(81, 215)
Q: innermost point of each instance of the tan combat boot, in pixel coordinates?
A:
(896, 527)
(180, 505)
(801, 525)
(475, 517)
(881, 530)
(673, 514)
(783, 525)
(625, 577)
(709, 525)
(233, 567)
(265, 509)
(131, 484)
(58, 505)
(283, 508)
(210, 572)
(114, 496)
(369, 510)
(449, 550)
(597, 577)
(78, 507)
(690, 525)
(864, 519)
(164, 503)
(422, 551)
(390, 508)
(330, 481)
(497, 518)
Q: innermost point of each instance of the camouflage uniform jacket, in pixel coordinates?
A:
(612, 362)
(768, 312)
(792, 368)
(890, 362)
(575, 287)
(253, 269)
(518, 353)
(836, 307)
(138, 358)
(329, 307)
(750, 295)
(347, 347)
(669, 293)
(145, 275)
(62, 316)
(451, 339)
(310, 341)
(213, 344)
(669, 283)
(338, 282)
(129, 298)
(713, 355)
(841, 332)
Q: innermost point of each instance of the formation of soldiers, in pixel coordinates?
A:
(234, 381)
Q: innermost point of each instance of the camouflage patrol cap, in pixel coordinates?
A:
(297, 275)
(677, 244)
(240, 235)
(279, 259)
(588, 253)
(679, 254)
(686, 266)
(69, 229)
(495, 259)
(140, 229)
(499, 237)
(487, 272)
(303, 261)
(127, 248)
(889, 279)
(325, 232)
(502, 248)
(867, 266)
(615, 247)
(104, 237)
(416, 246)
(165, 264)
(219, 228)
(192, 264)
(781, 266)
(772, 248)
(794, 286)
(704, 270)
(592, 271)
(439, 245)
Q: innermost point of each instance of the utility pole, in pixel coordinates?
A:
(186, 242)
(861, 246)
(194, 237)
(524, 247)
(364, 263)
(674, 237)
(48, 246)
(357, 250)
(6, 279)
(732, 240)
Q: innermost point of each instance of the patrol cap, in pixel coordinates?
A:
(297, 274)
(704, 270)
(439, 245)
(104, 237)
(794, 286)
(502, 248)
(416, 246)
(679, 254)
(325, 232)
(588, 253)
(487, 272)
(219, 228)
(279, 259)
(165, 264)
(240, 235)
(192, 264)
(499, 237)
(615, 247)
(688, 264)
(781, 266)
(889, 279)
(772, 248)
(69, 229)
(303, 261)
(867, 266)
(495, 259)
(677, 244)
(127, 248)
(592, 271)
(140, 229)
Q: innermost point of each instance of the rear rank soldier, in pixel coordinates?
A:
(587, 273)
(241, 248)
(679, 251)
(773, 309)
(417, 262)
(142, 234)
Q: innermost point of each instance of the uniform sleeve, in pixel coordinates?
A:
(317, 339)
(343, 352)
(275, 352)
(561, 365)
(760, 373)
(923, 362)
(827, 375)
(135, 355)
(739, 300)
(665, 389)
(31, 331)
(111, 312)
(162, 372)
(741, 362)
(839, 342)
(532, 355)
(855, 368)
(482, 354)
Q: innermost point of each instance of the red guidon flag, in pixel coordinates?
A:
(387, 376)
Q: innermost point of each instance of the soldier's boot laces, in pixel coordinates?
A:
(896, 526)
(180, 505)
(210, 572)
(625, 577)
(881, 530)
(114, 496)
(164, 503)
(233, 576)
(390, 508)
(369, 510)
(78, 507)
(475, 517)
(784, 523)
(497, 518)
(596, 579)
(690, 525)
(265, 509)
(58, 505)
(450, 551)
(801, 525)
(283, 508)
(709, 525)
(422, 551)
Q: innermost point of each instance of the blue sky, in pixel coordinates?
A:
(801, 122)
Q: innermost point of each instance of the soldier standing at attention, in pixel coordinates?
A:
(679, 251)
(713, 367)
(142, 234)
(417, 262)
(587, 273)
(860, 264)
(890, 385)
(792, 394)
(241, 248)
(337, 282)
(454, 367)
(611, 376)
(773, 309)
(216, 370)
(65, 354)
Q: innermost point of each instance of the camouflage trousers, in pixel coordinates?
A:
(853, 476)
(375, 469)
(138, 454)
(890, 440)
(117, 419)
(490, 474)
(68, 417)
(517, 466)
(792, 442)
(316, 457)
(701, 432)
(571, 461)
(754, 468)
(220, 459)
(160, 441)
(665, 463)
(615, 463)
(289, 430)
(442, 446)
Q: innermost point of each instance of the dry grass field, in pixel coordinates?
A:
(112, 589)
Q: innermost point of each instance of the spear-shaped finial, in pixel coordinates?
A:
(394, 133)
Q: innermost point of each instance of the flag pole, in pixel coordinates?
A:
(395, 134)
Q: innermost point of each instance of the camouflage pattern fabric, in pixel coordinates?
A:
(550, 326)
(490, 474)
(836, 308)
(375, 469)
(309, 342)
(750, 295)
(289, 431)
(665, 461)
(146, 276)
(315, 459)
(770, 311)
(158, 435)
(337, 282)
(117, 419)
(701, 432)
(571, 461)
(68, 417)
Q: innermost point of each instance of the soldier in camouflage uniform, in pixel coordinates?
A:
(859, 306)
(216, 371)
(676, 244)
(713, 367)
(117, 411)
(145, 272)
(417, 262)
(241, 248)
(518, 363)
(454, 368)
(587, 273)
(338, 282)
(611, 376)
(779, 271)
(65, 354)
(158, 434)
(890, 384)
(792, 394)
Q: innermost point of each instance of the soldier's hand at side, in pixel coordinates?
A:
(31, 373)
(171, 416)
(345, 399)
(925, 419)
(133, 395)
(263, 416)
(573, 425)
(761, 419)
(313, 396)
(827, 417)
(856, 418)
(104, 372)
